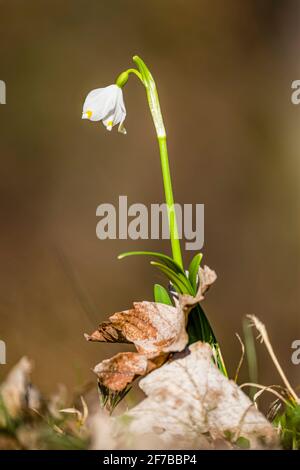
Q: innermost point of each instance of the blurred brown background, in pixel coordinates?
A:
(224, 73)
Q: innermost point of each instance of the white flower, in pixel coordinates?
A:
(106, 105)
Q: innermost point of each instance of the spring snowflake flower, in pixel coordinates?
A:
(106, 105)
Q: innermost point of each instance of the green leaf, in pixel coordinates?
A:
(193, 270)
(179, 280)
(163, 258)
(161, 295)
(288, 423)
(199, 328)
(243, 443)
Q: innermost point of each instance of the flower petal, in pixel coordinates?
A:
(101, 102)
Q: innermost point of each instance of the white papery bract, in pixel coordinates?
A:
(106, 105)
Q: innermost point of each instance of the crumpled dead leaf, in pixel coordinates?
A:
(152, 327)
(120, 370)
(207, 277)
(190, 402)
(155, 329)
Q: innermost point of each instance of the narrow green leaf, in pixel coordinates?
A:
(198, 327)
(162, 257)
(180, 282)
(161, 295)
(193, 270)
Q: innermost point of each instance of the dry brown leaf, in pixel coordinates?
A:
(155, 329)
(108, 332)
(120, 370)
(189, 401)
(152, 327)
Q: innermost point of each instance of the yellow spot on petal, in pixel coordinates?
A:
(109, 125)
(89, 114)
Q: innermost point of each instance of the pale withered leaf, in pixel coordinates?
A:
(188, 400)
(16, 391)
(206, 278)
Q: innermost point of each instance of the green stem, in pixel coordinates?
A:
(154, 106)
(146, 78)
(175, 243)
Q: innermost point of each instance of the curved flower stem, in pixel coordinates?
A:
(145, 76)
(136, 72)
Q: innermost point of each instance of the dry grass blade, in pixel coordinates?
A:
(264, 338)
(265, 388)
(81, 415)
(241, 358)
